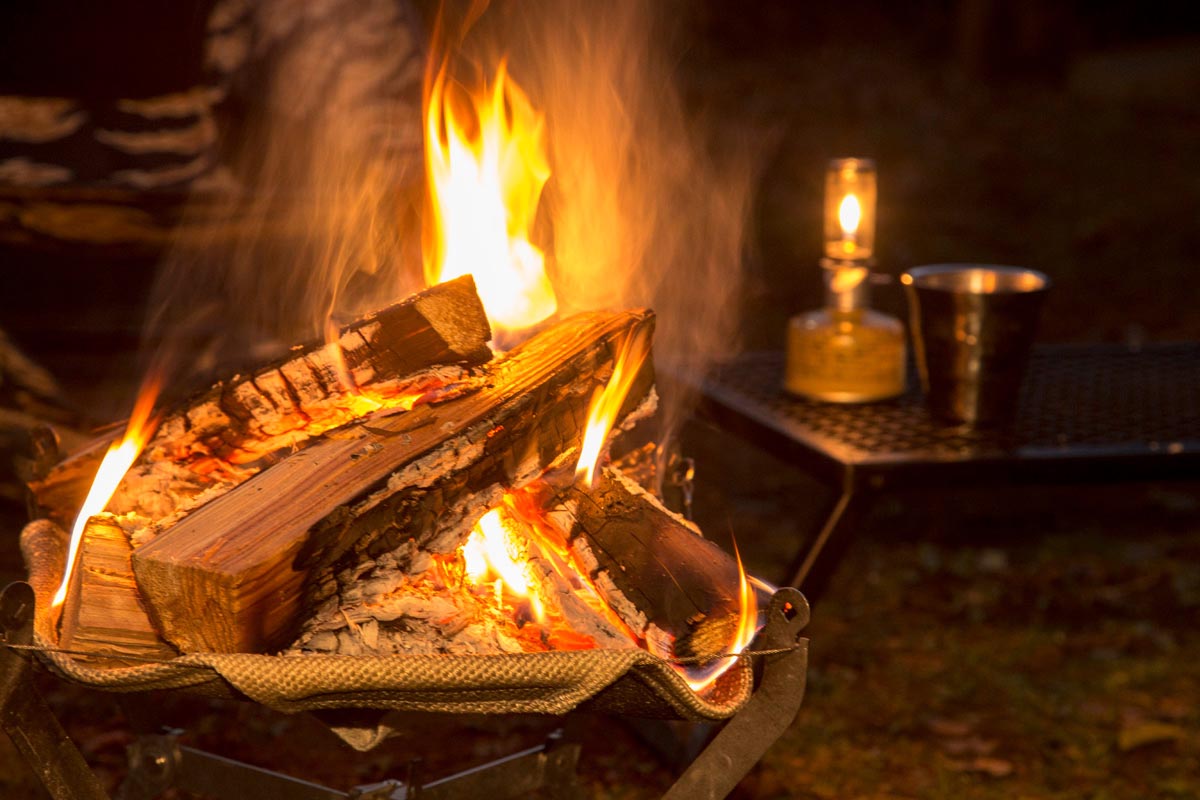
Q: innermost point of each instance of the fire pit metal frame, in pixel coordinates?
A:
(1087, 413)
(737, 747)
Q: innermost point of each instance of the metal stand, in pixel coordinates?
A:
(160, 762)
(771, 709)
(24, 715)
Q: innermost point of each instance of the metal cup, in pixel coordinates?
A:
(973, 326)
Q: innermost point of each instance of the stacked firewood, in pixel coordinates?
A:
(309, 504)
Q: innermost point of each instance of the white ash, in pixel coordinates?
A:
(401, 603)
(421, 615)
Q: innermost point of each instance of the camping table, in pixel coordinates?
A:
(1087, 413)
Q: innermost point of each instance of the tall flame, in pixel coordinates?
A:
(607, 403)
(117, 461)
(486, 165)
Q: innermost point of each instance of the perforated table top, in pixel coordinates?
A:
(1086, 411)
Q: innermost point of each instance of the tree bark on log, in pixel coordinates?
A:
(653, 567)
(281, 406)
(238, 574)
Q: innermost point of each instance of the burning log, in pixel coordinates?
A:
(239, 573)
(670, 585)
(280, 406)
(104, 613)
(248, 417)
(390, 351)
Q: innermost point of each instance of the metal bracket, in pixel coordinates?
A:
(24, 715)
(772, 708)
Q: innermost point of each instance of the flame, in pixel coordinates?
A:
(528, 506)
(494, 551)
(606, 405)
(496, 557)
(486, 164)
(116, 463)
(849, 217)
(701, 679)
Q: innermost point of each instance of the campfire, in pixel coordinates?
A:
(434, 478)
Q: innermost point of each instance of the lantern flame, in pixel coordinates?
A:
(849, 217)
(486, 165)
(117, 461)
(606, 405)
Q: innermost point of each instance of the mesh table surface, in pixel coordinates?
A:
(1090, 405)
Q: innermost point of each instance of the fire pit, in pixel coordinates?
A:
(457, 545)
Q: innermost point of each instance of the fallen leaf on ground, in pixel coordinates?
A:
(970, 745)
(1146, 733)
(941, 726)
(995, 767)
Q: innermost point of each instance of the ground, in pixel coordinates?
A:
(1028, 644)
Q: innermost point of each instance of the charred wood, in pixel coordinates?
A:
(654, 568)
(247, 418)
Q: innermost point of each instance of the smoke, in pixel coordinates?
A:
(638, 210)
(319, 184)
(641, 210)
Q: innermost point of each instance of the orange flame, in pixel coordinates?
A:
(116, 463)
(494, 551)
(606, 405)
(700, 679)
(486, 165)
(528, 505)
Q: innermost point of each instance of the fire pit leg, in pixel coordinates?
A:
(159, 762)
(771, 709)
(24, 715)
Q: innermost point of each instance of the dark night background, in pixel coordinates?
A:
(1041, 645)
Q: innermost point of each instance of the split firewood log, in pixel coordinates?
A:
(104, 614)
(283, 405)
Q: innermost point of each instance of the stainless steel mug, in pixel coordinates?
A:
(973, 327)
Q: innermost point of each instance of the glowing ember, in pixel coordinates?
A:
(486, 165)
(116, 463)
(607, 403)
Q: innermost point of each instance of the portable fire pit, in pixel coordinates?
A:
(397, 520)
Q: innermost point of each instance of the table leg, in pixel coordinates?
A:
(816, 565)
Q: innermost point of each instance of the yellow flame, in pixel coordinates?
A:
(747, 628)
(607, 403)
(493, 549)
(117, 461)
(486, 165)
(850, 215)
